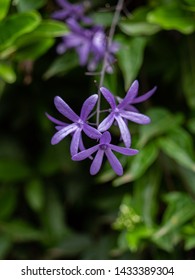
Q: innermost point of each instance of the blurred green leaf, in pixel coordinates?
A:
(34, 50)
(53, 217)
(17, 25)
(62, 65)
(180, 209)
(162, 121)
(191, 125)
(130, 57)
(7, 73)
(50, 28)
(176, 152)
(35, 196)
(8, 200)
(136, 24)
(4, 7)
(27, 5)
(20, 231)
(172, 17)
(145, 198)
(11, 170)
(138, 164)
(134, 238)
(188, 72)
(102, 18)
(5, 245)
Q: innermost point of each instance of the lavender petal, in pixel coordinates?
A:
(91, 132)
(85, 154)
(114, 162)
(125, 134)
(106, 123)
(135, 117)
(74, 146)
(122, 150)
(52, 119)
(106, 138)
(109, 97)
(58, 136)
(97, 162)
(64, 109)
(88, 106)
(132, 92)
(144, 97)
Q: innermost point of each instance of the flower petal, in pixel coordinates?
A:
(109, 97)
(144, 97)
(135, 117)
(114, 162)
(122, 150)
(106, 138)
(88, 106)
(64, 109)
(97, 162)
(58, 136)
(52, 119)
(85, 154)
(91, 132)
(132, 92)
(83, 52)
(106, 123)
(74, 146)
(125, 134)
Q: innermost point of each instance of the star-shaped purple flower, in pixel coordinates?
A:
(121, 113)
(104, 147)
(79, 123)
(89, 43)
(74, 11)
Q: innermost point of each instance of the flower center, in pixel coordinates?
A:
(103, 147)
(80, 123)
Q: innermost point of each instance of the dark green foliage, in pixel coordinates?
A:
(50, 207)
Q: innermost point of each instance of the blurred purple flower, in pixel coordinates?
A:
(104, 147)
(121, 113)
(74, 11)
(79, 123)
(90, 44)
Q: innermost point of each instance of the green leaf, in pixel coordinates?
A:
(17, 25)
(27, 5)
(162, 121)
(145, 196)
(8, 199)
(181, 208)
(34, 50)
(5, 245)
(130, 57)
(11, 170)
(21, 231)
(172, 17)
(138, 28)
(34, 192)
(176, 152)
(4, 7)
(7, 73)
(188, 73)
(50, 28)
(62, 65)
(139, 164)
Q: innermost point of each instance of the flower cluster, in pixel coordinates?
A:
(89, 42)
(121, 111)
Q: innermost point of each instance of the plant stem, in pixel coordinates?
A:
(109, 43)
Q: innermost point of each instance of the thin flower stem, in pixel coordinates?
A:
(115, 20)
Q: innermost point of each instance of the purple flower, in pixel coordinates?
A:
(90, 44)
(121, 113)
(104, 147)
(134, 99)
(79, 123)
(74, 11)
